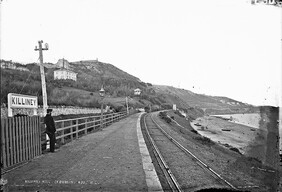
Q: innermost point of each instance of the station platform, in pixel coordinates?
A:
(112, 159)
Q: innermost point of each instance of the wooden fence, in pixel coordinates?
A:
(22, 138)
(69, 129)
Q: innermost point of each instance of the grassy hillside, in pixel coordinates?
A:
(118, 84)
(210, 104)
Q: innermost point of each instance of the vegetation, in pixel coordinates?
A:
(83, 92)
(204, 140)
(163, 115)
(91, 75)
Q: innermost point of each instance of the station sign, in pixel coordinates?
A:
(21, 101)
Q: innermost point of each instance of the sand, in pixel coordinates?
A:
(229, 133)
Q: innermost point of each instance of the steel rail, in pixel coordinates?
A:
(195, 157)
(174, 185)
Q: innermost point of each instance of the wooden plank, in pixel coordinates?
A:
(11, 141)
(28, 140)
(24, 140)
(36, 137)
(16, 127)
(20, 138)
(7, 141)
(32, 148)
(3, 142)
(10, 158)
(31, 136)
(40, 135)
(14, 141)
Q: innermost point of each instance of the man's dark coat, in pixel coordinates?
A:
(50, 124)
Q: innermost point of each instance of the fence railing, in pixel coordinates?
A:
(20, 140)
(69, 129)
(23, 138)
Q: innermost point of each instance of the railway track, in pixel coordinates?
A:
(183, 170)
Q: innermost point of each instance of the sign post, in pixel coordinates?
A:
(21, 101)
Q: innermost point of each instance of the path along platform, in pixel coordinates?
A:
(113, 159)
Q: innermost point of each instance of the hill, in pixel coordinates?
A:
(210, 104)
(118, 84)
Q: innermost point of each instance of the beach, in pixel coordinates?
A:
(238, 133)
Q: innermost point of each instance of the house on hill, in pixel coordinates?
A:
(65, 74)
(12, 65)
(7, 64)
(137, 91)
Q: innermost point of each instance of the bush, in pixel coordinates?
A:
(194, 131)
(163, 115)
(235, 149)
(204, 140)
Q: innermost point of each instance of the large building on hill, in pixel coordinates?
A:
(65, 74)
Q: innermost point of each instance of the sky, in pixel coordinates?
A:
(220, 47)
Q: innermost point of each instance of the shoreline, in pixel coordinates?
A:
(227, 133)
(247, 119)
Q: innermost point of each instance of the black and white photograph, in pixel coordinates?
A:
(131, 95)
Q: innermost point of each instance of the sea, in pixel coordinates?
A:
(248, 119)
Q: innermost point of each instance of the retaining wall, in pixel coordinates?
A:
(57, 110)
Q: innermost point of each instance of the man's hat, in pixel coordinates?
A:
(49, 110)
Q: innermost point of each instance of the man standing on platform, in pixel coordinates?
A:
(50, 129)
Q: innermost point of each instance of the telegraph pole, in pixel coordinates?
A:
(126, 101)
(44, 93)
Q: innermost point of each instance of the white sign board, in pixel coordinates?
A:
(174, 107)
(21, 101)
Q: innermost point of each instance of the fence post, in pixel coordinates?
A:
(76, 129)
(71, 131)
(85, 126)
(63, 133)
